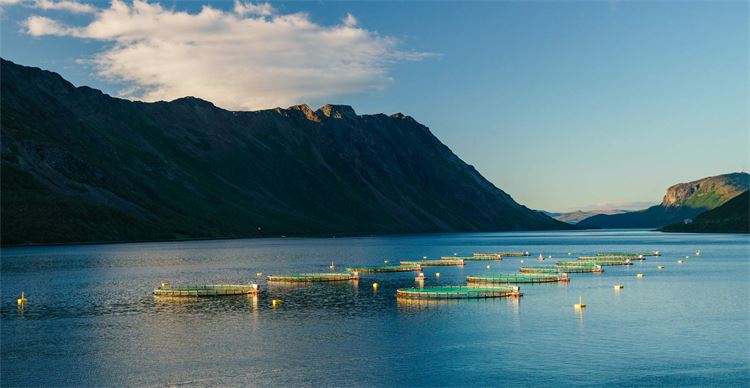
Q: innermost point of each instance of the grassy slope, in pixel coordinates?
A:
(731, 217)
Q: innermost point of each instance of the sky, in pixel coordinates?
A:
(563, 105)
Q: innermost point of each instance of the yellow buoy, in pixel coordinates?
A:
(640, 275)
(276, 302)
(165, 284)
(488, 266)
(374, 286)
(619, 287)
(580, 303)
(22, 300)
(437, 274)
(385, 261)
(259, 274)
(521, 261)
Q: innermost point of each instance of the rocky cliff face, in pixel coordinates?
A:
(682, 201)
(706, 193)
(78, 165)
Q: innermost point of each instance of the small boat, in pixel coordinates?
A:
(541, 257)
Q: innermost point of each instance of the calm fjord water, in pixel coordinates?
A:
(91, 318)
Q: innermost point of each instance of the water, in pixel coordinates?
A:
(91, 319)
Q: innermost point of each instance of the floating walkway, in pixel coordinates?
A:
(518, 278)
(314, 277)
(434, 263)
(510, 254)
(207, 290)
(458, 292)
(384, 268)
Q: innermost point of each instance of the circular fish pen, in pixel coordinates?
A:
(314, 277)
(518, 278)
(207, 290)
(384, 268)
(458, 292)
(435, 263)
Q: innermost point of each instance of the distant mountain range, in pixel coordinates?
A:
(731, 217)
(81, 166)
(682, 201)
(578, 215)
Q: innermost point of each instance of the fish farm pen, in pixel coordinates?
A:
(496, 256)
(518, 278)
(629, 254)
(542, 270)
(472, 258)
(384, 268)
(575, 263)
(313, 277)
(566, 269)
(207, 290)
(457, 292)
(615, 257)
(593, 263)
(434, 263)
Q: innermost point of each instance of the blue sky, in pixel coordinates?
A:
(562, 105)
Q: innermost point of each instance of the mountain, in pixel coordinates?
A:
(79, 166)
(731, 217)
(682, 201)
(578, 215)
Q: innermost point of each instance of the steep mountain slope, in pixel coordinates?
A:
(78, 165)
(731, 217)
(579, 215)
(682, 201)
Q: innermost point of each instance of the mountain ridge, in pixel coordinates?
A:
(682, 201)
(731, 217)
(81, 166)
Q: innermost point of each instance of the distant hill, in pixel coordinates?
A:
(682, 201)
(731, 217)
(81, 166)
(578, 215)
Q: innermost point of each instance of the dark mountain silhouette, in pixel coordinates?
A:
(79, 166)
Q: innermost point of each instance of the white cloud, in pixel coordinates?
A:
(40, 25)
(350, 21)
(65, 5)
(238, 59)
(247, 8)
